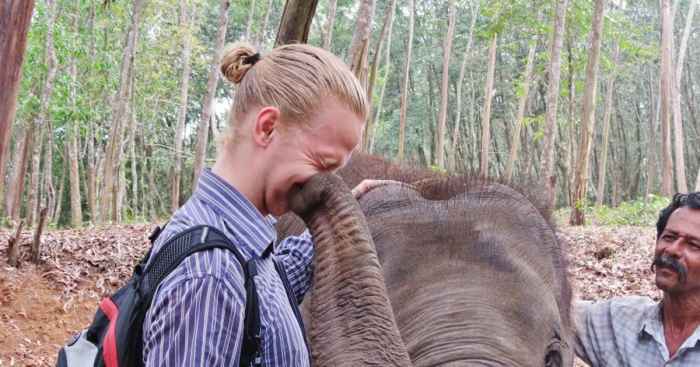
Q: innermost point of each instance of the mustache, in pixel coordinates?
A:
(668, 262)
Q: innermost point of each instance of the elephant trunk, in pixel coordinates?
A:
(352, 320)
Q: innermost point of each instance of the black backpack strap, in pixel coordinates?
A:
(293, 302)
(201, 238)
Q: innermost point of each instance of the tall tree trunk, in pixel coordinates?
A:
(606, 127)
(15, 17)
(327, 35)
(61, 187)
(16, 186)
(666, 82)
(182, 112)
(92, 152)
(359, 46)
(522, 104)
(42, 118)
(571, 119)
(452, 158)
(296, 21)
(249, 23)
(588, 120)
(550, 131)
(207, 105)
(386, 30)
(113, 148)
(444, 91)
(48, 188)
(404, 85)
(486, 114)
(681, 180)
(72, 149)
(263, 27)
(652, 143)
(132, 153)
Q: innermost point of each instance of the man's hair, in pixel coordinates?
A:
(691, 200)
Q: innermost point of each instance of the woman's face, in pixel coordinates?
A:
(299, 153)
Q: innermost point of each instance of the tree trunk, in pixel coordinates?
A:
(36, 243)
(249, 23)
(359, 46)
(486, 114)
(58, 202)
(404, 85)
(386, 30)
(16, 185)
(327, 34)
(207, 105)
(452, 158)
(571, 119)
(681, 180)
(444, 91)
(554, 71)
(296, 21)
(72, 150)
(522, 104)
(606, 127)
(588, 120)
(666, 73)
(42, 118)
(92, 152)
(132, 153)
(182, 112)
(113, 149)
(263, 27)
(15, 17)
(652, 144)
(13, 244)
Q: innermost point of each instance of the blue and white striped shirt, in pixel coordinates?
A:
(196, 317)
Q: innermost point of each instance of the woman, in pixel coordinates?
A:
(298, 111)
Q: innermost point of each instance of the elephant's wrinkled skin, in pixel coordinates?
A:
(475, 278)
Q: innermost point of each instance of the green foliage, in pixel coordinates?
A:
(640, 212)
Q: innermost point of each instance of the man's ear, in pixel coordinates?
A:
(266, 124)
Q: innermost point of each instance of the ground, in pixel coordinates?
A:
(41, 306)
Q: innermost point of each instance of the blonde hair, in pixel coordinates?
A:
(294, 78)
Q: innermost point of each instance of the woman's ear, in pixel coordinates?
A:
(266, 123)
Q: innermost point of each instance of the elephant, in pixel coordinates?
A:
(473, 272)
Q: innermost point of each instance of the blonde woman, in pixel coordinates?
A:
(298, 111)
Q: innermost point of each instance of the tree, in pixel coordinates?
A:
(444, 91)
(554, 72)
(15, 17)
(386, 33)
(606, 127)
(588, 119)
(212, 81)
(486, 112)
(327, 35)
(681, 180)
(522, 104)
(359, 46)
(460, 80)
(296, 21)
(182, 112)
(108, 210)
(666, 80)
(404, 84)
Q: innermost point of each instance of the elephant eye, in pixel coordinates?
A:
(553, 357)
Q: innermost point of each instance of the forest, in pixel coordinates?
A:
(120, 102)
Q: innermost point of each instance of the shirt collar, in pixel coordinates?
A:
(254, 231)
(653, 326)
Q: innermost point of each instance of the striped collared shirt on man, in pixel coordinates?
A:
(628, 332)
(196, 317)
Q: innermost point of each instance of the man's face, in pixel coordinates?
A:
(678, 248)
(325, 146)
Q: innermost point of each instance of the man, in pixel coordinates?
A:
(636, 331)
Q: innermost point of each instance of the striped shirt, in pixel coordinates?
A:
(628, 331)
(196, 317)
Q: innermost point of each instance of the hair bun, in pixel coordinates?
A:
(237, 61)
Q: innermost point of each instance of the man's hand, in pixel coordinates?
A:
(367, 185)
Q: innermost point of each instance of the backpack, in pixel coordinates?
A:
(115, 336)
